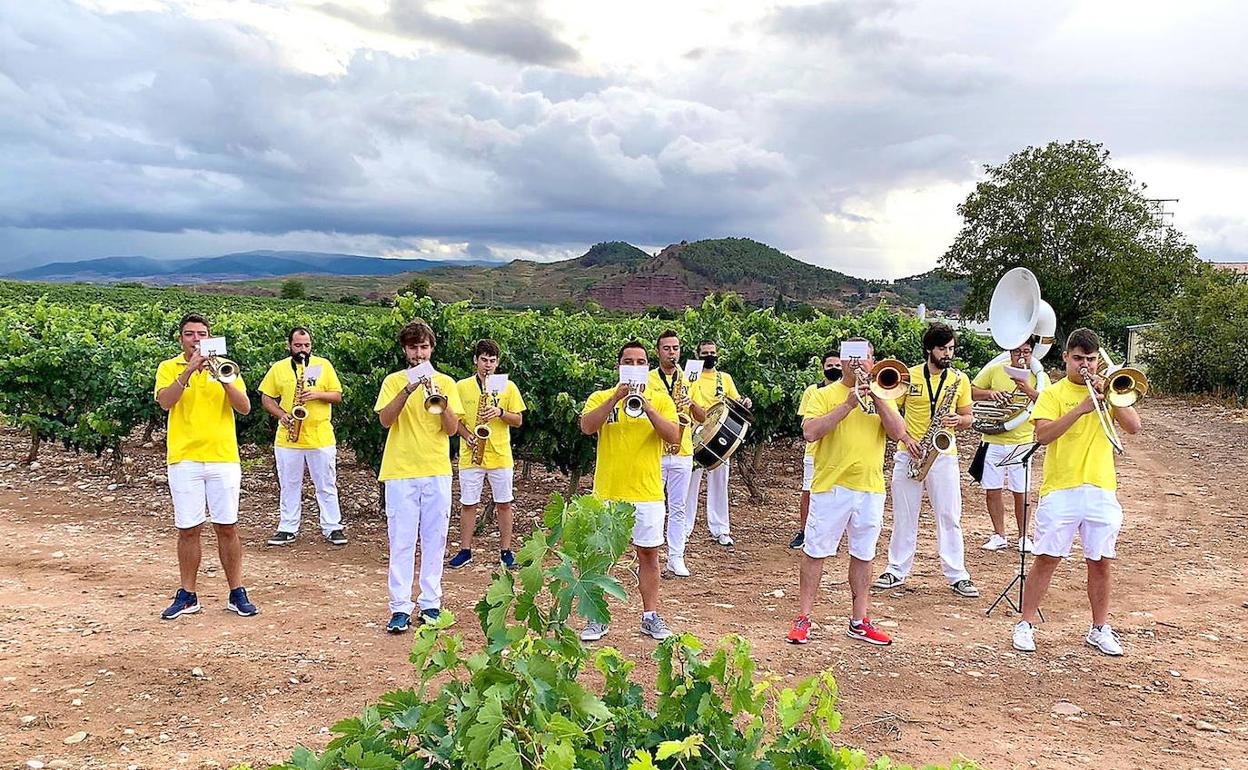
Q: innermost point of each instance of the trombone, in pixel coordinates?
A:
(1122, 386)
(888, 380)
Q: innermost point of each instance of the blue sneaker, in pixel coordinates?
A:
(184, 603)
(430, 615)
(507, 559)
(240, 603)
(460, 559)
(399, 622)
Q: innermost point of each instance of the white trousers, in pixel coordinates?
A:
(195, 485)
(716, 500)
(321, 464)
(676, 473)
(945, 492)
(417, 511)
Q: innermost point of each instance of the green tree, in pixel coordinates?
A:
(293, 290)
(1084, 227)
(417, 287)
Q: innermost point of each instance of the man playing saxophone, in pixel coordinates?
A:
(938, 403)
(677, 462)
(485, 453)
(300, 392)
(1079, 490)
(1004, 390)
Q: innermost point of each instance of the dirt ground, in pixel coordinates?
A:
(86, 568)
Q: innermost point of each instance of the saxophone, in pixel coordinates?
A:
(938, 438)
(482, 431)
(298, 411)
(683, 417)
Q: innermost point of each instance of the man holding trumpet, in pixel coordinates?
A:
(420, 409)
(1079, 489)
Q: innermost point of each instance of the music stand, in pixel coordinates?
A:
(1020, 455)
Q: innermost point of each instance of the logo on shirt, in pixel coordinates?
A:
(915, 389)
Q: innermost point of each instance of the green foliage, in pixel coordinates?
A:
(293, 290)
(612, 253)
(1084, 227)
(417, 287)
(519, 702)
(741, 260)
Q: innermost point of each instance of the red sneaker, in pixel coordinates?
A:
(800, 632)
(867, 632)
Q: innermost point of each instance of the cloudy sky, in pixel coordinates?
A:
(844, 132)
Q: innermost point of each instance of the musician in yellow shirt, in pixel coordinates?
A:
(1078, 493)
(629, 470)
(929, 387)
(314, 445)
(846, 493)
(503, 411)
(994, 383)
(676, 466)
(831, 374)
(204, 469)
(416, 471)
(712, 387)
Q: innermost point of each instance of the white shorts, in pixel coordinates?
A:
(1090, 510)
(808, 471)
(648, 526)
(472, 481)
(837, 511)
(996, 477)
(194, 485)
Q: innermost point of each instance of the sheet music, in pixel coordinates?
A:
(311, 373)
(634, 375)
(693, 369)
(422, 371)
(212, 346)
(496, 383)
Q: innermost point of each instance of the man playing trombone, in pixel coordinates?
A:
(1079, 489)
(677, 465)
(420, 409)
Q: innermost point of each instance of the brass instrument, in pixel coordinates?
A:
(683, 417)
(222, 369)
(634, 404)
(298, 411)
(435, 400)
(993, 417)
(888, 380)
(937, 438)
(1122, 386)
(482, 430)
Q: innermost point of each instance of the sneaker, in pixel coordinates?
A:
(430, 615)
(1024, 637)
(1025, 545)
(337, 537)
(996, 543)
(724, 539)
(282, 538)
(184, 603)
(240, 603)
(399, 622)
(867, 632)
(799, 632)
(655, 628)
(460, 559)
(1104, 639)
(676, 566)
(888, 580)
(507, 559)
(798, 540)
(965, 588)
(594, 631)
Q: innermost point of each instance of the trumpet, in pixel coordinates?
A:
(1121, 386)
(435, 400)
(634, 404)
(888, 380)
(222, 369)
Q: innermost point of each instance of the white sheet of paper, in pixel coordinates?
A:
(496, 384)
(311, 372)
(212, 346)
(421, 371)
(634, 375)
(856, 349)
(1016, 373)
(693, 369)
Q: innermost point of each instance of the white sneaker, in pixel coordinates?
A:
(1104, 639)
(995, 543)
(594, 631)
(1024, 637)
(724, 539)
(676, 566)
(1025, 544)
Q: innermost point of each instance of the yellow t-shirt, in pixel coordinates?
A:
(279, 384)
(801, 412)
(852, 455)
(629, 451)
(656, 386)
(995, 378)
(704, 390)
(201, 423)
(498, 447)
(1081, 455)
(918, 406)
(416, 445)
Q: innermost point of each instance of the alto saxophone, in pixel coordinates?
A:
(937, 439)
(482, 431)
(683, 417)
(298, 411)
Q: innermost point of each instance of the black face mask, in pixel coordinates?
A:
(709, 360)
(832, 373)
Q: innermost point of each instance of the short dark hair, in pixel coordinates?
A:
(192, 318)
(290, 336)
(1030, 342)
(706, 342)
(937, 335)
(831, 352)
(417, 332)
(486, 347)
(1084, 339)
(667, 334)
(633, 343)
